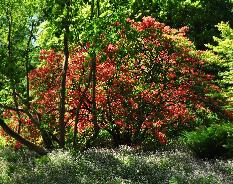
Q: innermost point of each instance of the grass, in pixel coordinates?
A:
(123, 165)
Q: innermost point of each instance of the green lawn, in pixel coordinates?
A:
(124, 165)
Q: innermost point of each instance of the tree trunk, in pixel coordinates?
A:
(10, 60)
(78, 109)
(92, 9)
(98, 7)
(93, 101)
(62, 123)
(93, 109)
(27, 64)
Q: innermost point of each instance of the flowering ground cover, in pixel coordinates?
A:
(123, 165)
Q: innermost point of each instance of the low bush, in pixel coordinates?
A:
(211, 142)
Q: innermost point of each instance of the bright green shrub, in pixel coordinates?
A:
(214, 141)
(224, 58)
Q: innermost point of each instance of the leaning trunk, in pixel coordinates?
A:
(30, 145)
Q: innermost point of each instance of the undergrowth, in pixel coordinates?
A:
(123, 165)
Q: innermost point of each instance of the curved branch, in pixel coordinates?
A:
(30, 145)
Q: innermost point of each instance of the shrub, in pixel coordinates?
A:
(214, 141)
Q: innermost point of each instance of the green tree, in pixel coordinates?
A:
(200, 16)
(224, 58)
(18, 25)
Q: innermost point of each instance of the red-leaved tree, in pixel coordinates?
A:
(149, 82)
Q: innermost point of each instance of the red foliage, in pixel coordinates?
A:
(17, 145)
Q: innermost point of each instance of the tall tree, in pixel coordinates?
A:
(66, 25)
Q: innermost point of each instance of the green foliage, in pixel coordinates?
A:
(18, 24)
(198, 15)
(51, 30)
(12, 161)
(211, 142)
(2, 142)
(224, 58)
